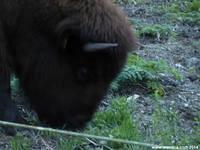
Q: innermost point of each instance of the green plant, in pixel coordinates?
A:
(69, 143)
(20, 142)
(47, 134)
(156, 89)
(174, 8)
(165, 126)
(195, 44)
(196, 136)
(157, 31)
(166, 129)
(115, 121)
(146, 72)
(188, 12)
(193, 6)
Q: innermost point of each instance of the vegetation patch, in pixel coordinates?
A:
(184, 12)
(20, 142)
(115, 121)
(125, 1)
(190, 18)
(166, 129)
(145, 72)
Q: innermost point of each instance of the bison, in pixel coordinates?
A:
(65, 54)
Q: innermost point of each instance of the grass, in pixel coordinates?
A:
(20, 142)
(190, 18)
(165, 126)
(182, 12)
(157, 31)
(166, 129)
(116, 121)
(69, 144)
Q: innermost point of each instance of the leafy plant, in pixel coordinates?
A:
(188, 12)
(115, 121)
(146, 72)
(157, 31)
(20, 142)
(193, 6)
(69, 143)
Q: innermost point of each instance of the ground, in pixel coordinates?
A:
(179, 46)
(180, 53)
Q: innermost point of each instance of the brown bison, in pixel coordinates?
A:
(65, 54)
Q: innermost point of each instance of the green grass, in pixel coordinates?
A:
(69, 143)
(20, 142)
(190, 18)
(158, 31)
(115, 121)
(196, 44)
(184, 12)
(194, 6)
(166, 129)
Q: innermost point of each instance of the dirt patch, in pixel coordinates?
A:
(181, 53)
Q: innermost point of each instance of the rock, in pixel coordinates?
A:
(193, 63)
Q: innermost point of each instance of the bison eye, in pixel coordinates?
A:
(65, 42)
(83, 74)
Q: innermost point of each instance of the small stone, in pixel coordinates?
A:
(186, 105)
(133, 98)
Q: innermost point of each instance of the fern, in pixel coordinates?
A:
(142, 71)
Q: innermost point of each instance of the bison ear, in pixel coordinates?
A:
(93, 47)
(66, 26)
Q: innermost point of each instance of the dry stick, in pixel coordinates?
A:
(4, 123)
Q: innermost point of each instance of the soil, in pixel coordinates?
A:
(180, 53)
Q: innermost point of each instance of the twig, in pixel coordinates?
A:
(84, 135)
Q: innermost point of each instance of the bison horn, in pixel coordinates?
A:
(92, 47)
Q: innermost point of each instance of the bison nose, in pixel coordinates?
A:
(77, 122)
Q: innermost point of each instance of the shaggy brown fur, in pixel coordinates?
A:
(42, 42)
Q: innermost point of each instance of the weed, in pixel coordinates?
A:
(193, 6)
(157, 31)
(186, 13)
(166, 130)
(20, 142)
(146, 72)
(69, 143)
(116, 122)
